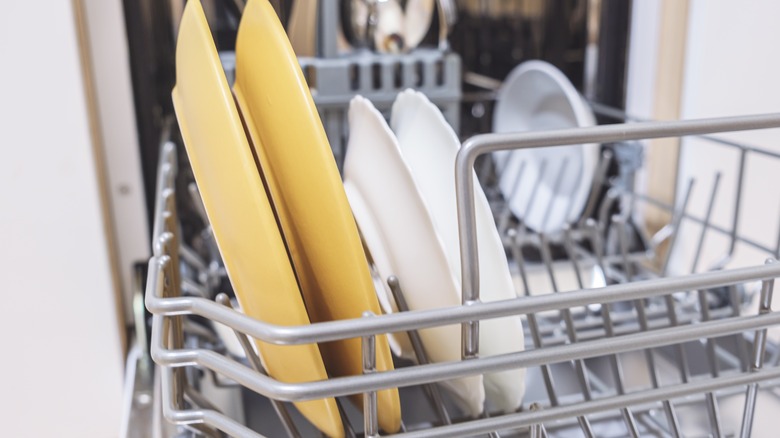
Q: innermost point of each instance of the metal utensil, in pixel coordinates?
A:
(448, 15)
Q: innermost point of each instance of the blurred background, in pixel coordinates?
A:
(85, 103)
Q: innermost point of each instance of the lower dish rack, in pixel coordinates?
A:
(645, 353)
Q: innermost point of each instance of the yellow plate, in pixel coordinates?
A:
(307, 193)
(240, 212)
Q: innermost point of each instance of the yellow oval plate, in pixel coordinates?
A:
(307, 192)
(240, 212)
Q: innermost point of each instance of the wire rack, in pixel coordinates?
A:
(643, 354)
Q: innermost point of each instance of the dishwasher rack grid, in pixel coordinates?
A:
(657, 324)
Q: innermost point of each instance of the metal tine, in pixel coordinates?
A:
(537, 183)
(737, 208)
(671, 308)
(200, 331)
(179, 382)
(172, 288)
(431, 390)
(706, 224)
(712, 403)
(205, 430)
(491, 434)
(370, 414)
(641, 312)
(594, 229)
(587, 431)
(568, 244)
(746, 430)
(777, 246)
(193, 258)
(569, 206)
(620, 222)
(628, 417)
(775, 359)
(194, 288)
(199, 400)
(705, 316)
(207, 233)
(682, 358)
(257, 365)
(676, 227)
(533, 324)
(598, 181)
(714, 414)
(741, 343)
(671, 418)
(170, 238)
(349, 430)
(606, 315)
(651, 425)
(606, 206)
(582, 373)
(544, 249)
(757, 360)
(490, 164)
(506, 212)
(484, 169)
(197, 201)
(640, 304)
(535, 429)
(556, 189)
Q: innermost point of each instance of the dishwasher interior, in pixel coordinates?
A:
(626, 335)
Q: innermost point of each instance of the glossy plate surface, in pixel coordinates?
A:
(307, 192)
(429, 146)
(399, 232)
(239, 210)
(537, 96)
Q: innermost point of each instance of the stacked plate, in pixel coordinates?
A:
(400, 183)
(399, 179)
(292, 252)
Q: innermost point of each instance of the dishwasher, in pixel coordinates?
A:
(630, 338)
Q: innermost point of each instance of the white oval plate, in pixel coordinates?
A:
(537, 96)
(400, 234)
(429, 147)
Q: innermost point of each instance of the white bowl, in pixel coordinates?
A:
(537, 96)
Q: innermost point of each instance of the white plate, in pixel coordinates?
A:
(429, 147)
(537, 96)
(378, 255)
(400, 234)
(418, 20)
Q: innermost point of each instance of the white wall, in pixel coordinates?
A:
(61, 372)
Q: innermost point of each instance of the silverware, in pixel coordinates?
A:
(448, 15)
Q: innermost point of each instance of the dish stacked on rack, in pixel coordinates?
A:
(275, 201)
(401, 187)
